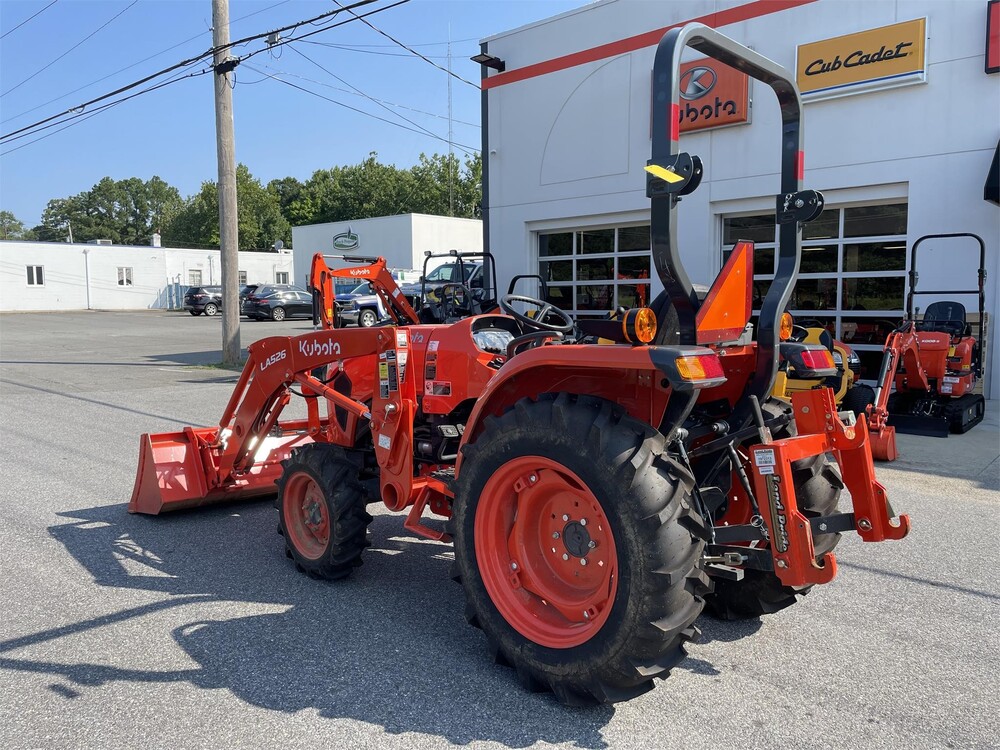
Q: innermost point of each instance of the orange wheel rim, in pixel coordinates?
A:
(307, 520)
(546, 552)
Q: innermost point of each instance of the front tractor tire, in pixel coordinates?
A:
(321, 507)
(578, 549)
(818, 485)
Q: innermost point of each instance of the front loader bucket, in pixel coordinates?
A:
(176, 470)
(910, 424)
(883, 444)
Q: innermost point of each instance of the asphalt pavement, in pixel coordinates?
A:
(192, 630)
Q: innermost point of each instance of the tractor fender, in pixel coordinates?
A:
(641, 379)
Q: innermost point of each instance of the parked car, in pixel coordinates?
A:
(203, 299)
(278, 302)
(360, 307)
(245, 291)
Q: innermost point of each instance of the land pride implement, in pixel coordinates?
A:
(599, 497)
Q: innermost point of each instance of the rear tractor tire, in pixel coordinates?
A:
(817, 491)
(321, 508)
(857, 399)
(578, 549)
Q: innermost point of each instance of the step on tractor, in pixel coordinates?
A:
(931, 364)
(599, 497)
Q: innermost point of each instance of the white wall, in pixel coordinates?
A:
(401, 239)
(568, 148)
(83, 276)
(260, 267)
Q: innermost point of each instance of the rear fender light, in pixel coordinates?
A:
(688, 368)
(808, 361)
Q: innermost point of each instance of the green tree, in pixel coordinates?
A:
(123, 211)
(11, 228)
(444, 188)
(259, 217)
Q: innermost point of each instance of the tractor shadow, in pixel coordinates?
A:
(389, 646)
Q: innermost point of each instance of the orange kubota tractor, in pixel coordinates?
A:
(599, 497)
(933, 363)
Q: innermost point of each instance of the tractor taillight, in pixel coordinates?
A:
(817, 359)
(700, 367)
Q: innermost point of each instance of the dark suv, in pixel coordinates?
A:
(203, 299)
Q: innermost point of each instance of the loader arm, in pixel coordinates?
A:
(321, 278)
(242, 455)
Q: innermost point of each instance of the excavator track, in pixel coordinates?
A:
(965, 412)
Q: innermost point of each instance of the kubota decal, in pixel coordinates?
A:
(314, 348)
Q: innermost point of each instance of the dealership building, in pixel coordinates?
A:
(901, 124)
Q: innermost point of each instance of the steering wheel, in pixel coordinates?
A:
(450, 306)
(538, 322)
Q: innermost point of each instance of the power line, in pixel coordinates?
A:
(469, 150)
(351, 48)
(46, 67)
(408, 49)
(129, 67)
(28, 19)
(198, 58)
(83, 116)
(362, 93)
(375, 99)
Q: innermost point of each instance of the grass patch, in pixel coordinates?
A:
(222, 366)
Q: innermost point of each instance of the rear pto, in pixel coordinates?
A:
(599, 497)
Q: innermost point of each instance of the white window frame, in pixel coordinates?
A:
(839, 316)
(124, 275)
(575, 256)
(243, 278)
(281, 277)
(194, 277)
(33, 272)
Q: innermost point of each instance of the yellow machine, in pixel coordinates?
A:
(849, 394)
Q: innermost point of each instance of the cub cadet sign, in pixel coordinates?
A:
(711, 95)
(880, 58)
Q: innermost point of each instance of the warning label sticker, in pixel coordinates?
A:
(432, 346)
(437, 388)
(765, 461)
(384, 442)
(401, 341)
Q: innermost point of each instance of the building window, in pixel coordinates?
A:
(194, 278)
(852, 280)
(243, 278)
(35, 277)
(124, 276)
(281, 277)
(592, 271)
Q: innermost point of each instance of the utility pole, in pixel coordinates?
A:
(228, 228)
(451, 137)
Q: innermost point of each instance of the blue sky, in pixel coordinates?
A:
(280, 131)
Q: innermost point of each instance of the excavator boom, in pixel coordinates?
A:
(375, 272)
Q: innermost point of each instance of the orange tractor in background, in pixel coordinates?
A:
(599, 497)
(933, 363)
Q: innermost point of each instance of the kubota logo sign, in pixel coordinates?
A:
(880, 58)
(346, 240)
(315, 348)
(712, 95)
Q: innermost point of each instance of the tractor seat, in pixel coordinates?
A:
(945, 317)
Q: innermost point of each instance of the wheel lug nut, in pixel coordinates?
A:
(513, 566)
(565, 556)
(583, 561)
(591, 544)
(555, 534)
(583, 521)
(565, 517)
(586, 615)
(533, 478)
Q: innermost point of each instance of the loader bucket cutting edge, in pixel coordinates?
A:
(171, 474)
